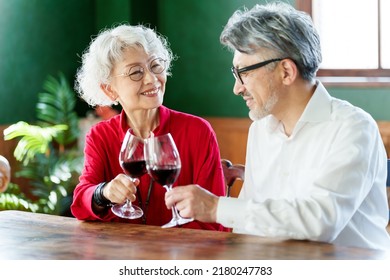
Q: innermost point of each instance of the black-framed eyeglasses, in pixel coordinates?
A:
(137, 72)
(237, 71)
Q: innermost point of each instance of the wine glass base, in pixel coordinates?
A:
(133, 212)
(176, 222)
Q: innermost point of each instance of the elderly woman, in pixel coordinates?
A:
(129, 65)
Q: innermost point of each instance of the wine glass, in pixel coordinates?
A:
(163, 165)
(132, 161)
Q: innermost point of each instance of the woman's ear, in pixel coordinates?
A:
(289, 71)
(107, 89)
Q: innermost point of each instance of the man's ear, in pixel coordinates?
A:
(289, 71)
(107, 89)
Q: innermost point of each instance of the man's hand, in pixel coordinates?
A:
(192, 201)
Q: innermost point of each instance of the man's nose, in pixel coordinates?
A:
(238, 88)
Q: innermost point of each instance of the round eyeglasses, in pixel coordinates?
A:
(237, 71)
(137, 72)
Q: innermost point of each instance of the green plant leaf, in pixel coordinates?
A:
(50, 159)
(56, 106)
(10, 201)
(34, 139)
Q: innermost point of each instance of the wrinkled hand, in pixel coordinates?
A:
(192, 201)
(121, 188)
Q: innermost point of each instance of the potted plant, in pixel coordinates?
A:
(47, 151)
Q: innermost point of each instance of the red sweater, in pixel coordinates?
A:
(200, 164)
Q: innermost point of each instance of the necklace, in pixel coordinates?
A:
(145, 206)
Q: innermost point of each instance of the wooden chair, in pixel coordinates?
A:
(232, 172)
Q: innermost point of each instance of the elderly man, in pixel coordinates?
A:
(315, 164)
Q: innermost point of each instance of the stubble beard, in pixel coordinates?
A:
(258, 113)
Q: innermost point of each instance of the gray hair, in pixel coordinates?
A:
(106, 50)
(278, 27)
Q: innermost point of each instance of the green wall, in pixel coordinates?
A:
(38, 38)
(202, 82)
(375, 101)
(42, 37)
(111, 12)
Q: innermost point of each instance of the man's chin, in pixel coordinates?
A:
(253, 116)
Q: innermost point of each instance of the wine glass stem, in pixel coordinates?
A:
(128, 205)
(175, 213)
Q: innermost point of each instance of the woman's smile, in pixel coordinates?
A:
(152, 92)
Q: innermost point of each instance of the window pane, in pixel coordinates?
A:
(349, 33)
(385, 34)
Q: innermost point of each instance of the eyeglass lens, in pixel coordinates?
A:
(156, 66)
(236, 75)
(237, 72)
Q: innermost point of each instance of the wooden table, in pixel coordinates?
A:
(30, 236)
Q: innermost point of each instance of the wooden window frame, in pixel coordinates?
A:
(348, 77)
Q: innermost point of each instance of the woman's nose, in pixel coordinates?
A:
(149, 77)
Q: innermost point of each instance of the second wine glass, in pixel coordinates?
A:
(163, 165)
(132, 161)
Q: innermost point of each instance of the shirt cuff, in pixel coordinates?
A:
(231, 212)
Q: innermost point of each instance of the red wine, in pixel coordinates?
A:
(134, 169)
(164, 175)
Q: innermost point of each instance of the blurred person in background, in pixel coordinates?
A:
(5, 174)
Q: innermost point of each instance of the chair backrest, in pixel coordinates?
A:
(232, 172)
(388, 173)
(388, 191)
(388, 187)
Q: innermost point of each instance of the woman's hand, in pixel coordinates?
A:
(121, 188)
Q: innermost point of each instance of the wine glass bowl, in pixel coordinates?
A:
(164, 175)
(132, 161)
(163, 165)
(134, 169)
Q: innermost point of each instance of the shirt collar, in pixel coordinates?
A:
(319, 107)
(162, 128)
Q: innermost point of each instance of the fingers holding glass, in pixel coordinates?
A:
(132, 161)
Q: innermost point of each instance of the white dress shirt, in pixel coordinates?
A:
(325, 182)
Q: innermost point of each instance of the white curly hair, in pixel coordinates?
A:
(106, 50)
